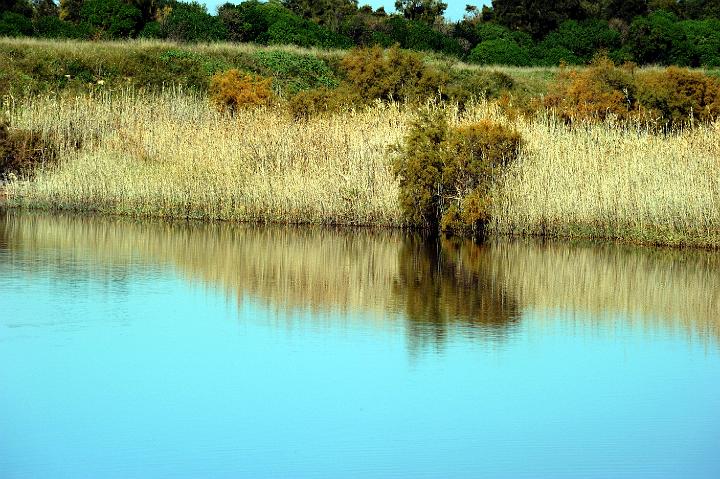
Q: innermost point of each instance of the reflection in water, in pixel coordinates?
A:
(439, 283)
(156, 349)
(437, 288)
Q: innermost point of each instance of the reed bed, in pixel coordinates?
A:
(605, 181)
(170, 154)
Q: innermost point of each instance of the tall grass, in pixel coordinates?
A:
(599, 181)
(171, 154)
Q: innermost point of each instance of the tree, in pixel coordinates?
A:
(422, 10)
(70, 10)
(700, 9)
(625, 9)
(190, 22)
(45, 8)
(582, 39)
(21, 7)
(114, 17)
(536, 17)
(658, 38)
(329, 13)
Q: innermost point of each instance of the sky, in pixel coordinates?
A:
(455, 10)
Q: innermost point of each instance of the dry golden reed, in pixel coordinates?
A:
(597, 181)
(172, 155)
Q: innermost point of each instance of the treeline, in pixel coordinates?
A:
(511, 32)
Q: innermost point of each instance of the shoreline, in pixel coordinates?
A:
(598, 241)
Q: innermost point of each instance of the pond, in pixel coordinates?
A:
(134, 349)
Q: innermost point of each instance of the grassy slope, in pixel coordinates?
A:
(32, 66)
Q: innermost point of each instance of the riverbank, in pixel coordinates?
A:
(173, 155)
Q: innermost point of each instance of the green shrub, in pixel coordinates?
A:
(152, 30)
(477, 155)
(296, 72)
(15, 25)
(446, 174)
(548, 55)
(467, 85)
(22, 152)
(232, 90)
(500, 52)
(421, 37)
(419, 167)
(393, 75)
(293, 30)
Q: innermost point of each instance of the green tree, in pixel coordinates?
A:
(702, 41)
(421, 10)
(582, 39)
(536, 17)
(329, 13)
(190, 22)
(625, 9)
(658, 38)
(45, 8)
(115, 18)
(700, 9)
(70, 10)
(21, 7)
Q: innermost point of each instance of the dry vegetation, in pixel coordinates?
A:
(629, 184)
(173, 155)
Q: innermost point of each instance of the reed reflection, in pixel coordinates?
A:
(436, 289)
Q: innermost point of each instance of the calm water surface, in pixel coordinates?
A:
(155, 350)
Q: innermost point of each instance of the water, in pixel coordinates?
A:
(171, 350)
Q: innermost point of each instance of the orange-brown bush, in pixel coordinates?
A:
(233, 90)
(678, 96)
(393, 75)
(22, 151)
(672, 97)
(594, 93)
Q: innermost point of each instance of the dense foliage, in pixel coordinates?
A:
(447, 173)
(511, 32)
(674, 97)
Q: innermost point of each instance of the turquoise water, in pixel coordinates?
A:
(171, 350)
